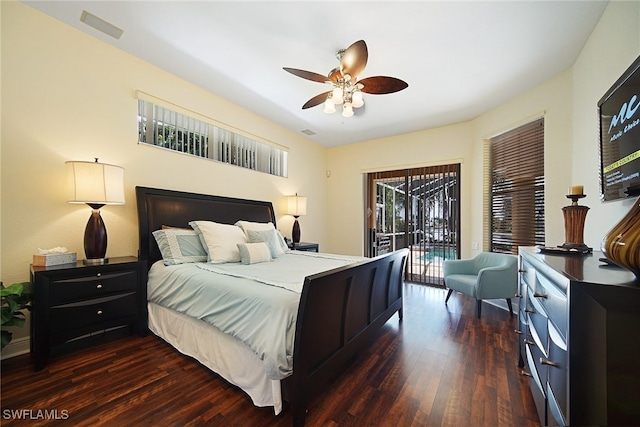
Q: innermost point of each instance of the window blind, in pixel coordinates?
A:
(164, 127)
(516, 171)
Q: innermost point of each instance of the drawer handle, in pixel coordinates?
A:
(99, 286)
(529, 310)
(517, 331)
(528, 342)
(549, 362)
(537, 295)
(99, 312)
(525, 373)
(518, 295)
(99, 274)
(522, 271)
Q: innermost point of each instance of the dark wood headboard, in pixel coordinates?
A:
(157, 207)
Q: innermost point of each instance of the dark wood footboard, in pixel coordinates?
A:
(340, 311)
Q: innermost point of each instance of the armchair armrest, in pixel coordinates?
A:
(458, 266)
(497, 282)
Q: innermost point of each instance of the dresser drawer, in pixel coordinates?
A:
(554, 302)
(95, 286)
(527, 273)
(538, 324)
(84, 314)
(538, 390)
(554, 414)
(557, 371)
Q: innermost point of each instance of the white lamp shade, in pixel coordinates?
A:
(329, 106)
(95, 183)
(347, 110)
(356, 100)
(296, 205)
(337, 95)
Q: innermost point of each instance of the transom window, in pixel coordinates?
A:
(165, 128)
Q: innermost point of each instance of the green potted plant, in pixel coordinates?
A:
(15, 298)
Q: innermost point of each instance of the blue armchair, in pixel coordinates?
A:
(488, 275)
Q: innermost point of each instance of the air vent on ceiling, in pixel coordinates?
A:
(308, 132)
(101, 25)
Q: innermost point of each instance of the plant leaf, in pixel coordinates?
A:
(14, 289)
(5, 338)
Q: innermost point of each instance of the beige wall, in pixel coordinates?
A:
(612, 47)
(567, 102)
(348, 164)
(68, 96)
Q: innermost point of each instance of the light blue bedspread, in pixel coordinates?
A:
(239, 302)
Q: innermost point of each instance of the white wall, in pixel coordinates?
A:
(567, 102)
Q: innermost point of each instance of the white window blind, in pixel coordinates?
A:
(163, 127)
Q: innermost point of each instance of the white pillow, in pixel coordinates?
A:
(252, 253)
(262, 226)
(220, 240)
(249, 225)
(270, 237)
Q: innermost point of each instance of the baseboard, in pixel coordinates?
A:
(16, 347)
(502, 303)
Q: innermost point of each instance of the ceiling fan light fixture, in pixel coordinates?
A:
(357, 100)
(346, 89)
(329, 106)
(337, 95)
(347, 110)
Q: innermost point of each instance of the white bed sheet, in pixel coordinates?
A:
(227, 356)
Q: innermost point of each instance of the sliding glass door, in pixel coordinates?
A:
(418, 209)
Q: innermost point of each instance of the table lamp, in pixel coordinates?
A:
(96, 184)
(296, 206)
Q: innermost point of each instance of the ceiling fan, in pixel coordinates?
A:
(347, 89)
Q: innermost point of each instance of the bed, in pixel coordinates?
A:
(335, 313)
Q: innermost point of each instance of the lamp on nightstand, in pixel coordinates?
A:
(96, 184)
(296, 206)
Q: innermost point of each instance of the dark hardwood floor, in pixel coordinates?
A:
(440, 366)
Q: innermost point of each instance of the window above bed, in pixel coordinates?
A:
(171, 127)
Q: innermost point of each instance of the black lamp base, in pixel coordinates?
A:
(295, 233)
(95, 239)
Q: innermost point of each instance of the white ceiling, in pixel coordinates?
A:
(460, 59)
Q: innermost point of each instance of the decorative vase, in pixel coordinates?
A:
(621, 244)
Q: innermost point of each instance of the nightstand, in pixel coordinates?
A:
(72, 301)
(305, 246)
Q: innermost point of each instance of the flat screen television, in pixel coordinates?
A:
(619, 111)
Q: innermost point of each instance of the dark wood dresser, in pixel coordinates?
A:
(74, 302)
(578, 320)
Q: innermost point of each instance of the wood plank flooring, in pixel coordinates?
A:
(440, 366)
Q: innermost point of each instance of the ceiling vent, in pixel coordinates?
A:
(101, 25)
(308, 132)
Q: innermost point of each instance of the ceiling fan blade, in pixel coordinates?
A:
(316, 100)
(380, 85)
(309, 75)
(354, 59)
